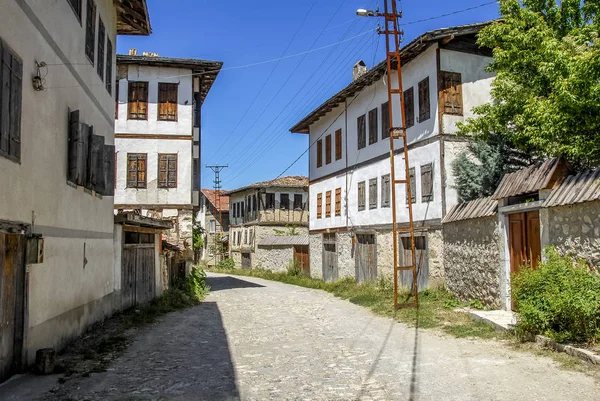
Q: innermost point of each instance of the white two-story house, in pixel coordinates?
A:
(157, 137)
(444, 77)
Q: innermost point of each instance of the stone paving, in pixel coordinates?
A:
(259, 340)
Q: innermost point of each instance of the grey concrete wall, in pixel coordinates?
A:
(575, 230)
(471, 255)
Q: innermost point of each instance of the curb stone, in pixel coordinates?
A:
(580, 353)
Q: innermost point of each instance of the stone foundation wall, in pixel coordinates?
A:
(435, 244)
(471, 256)
(274, 258)
(575, 230)
(315, 251)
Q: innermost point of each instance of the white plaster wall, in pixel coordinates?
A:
(182, 195)
(154, 75)
(476, 83)
(369, 98)
(61, 286)
(452, 150)
(421, 210)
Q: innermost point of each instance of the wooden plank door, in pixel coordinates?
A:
(330, 262)
(421, 258)
(144, 270)
(366, 258)
(301, 256)
(246, 261)
(128, 278)
(534, 243)
(517, 241)
(12, 301)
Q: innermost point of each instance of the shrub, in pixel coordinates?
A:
(195, 284)
(294, 268)
(559, 299)
(226, 264)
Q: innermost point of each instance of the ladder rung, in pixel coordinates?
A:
(400, 181)
(408, 305)
(403, 229)
(405, 267)
(396, 91)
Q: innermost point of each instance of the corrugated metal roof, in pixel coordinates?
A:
(285, 240)
(532, 179)
(482, 207)
(579, 188)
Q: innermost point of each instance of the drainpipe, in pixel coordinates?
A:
(346, 174)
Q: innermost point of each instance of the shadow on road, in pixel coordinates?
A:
(228, 283)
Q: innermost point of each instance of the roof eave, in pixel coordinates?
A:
(132, 17)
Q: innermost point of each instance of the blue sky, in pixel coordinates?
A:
(248, 113)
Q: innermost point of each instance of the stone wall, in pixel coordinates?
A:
(575, 230)
(274, 258)
(315, 251)
(471, 255)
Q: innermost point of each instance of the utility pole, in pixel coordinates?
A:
(392, 32)
(219, 232)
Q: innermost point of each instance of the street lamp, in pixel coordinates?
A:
(361, 12)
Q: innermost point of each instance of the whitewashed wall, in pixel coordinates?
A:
(182, 195)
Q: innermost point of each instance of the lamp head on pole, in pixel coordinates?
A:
(361, 12)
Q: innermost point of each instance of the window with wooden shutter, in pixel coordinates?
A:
(338, 201)
(298, 201)
(413, 186)
(11, 86)
(136, 170)
(373, 126)
(451, 92)
(424, 106)
(338, 144)
(167, 101)
(101, 39)
(270, 201)
(254, 203)
(385, 191)
(137, 101)
(167, 170)
(385, 120)
(90, 30)
(361, 131)
(427, 183)
(76, 6)
(109, 64)
(328, 149)
(284, 201)
(373, 193)
(117, 100)
(328, 204)
(361, 196)
(78, 150)
(95, 173)
(409, 106)
(319, 153)
(319, 205)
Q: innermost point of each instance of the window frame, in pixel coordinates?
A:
(164, 93)
(338, 201)
(319, 205)
(167, 184)
(385, 190)
(319, 153)
(138, 157)
(373, 126)
(385, 120)
(413, 185)
(361, 131)
(137, 101)
(427, 187)
(298, 204)
(78, 11)
(284, 200)
(338, 145)
(328, 149)
(90, 30)
(373, 195)
(328, 204)
(108, 77)
(424, 100)
(362, 196)
(447, 78)
(270, 201)
(409, 106)
(101, 49)
(10, 121)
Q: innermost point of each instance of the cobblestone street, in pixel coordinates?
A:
(259, 340)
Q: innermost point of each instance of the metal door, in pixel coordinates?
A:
(12, 301)
(366, 258)
(330, 262)
(422, 259)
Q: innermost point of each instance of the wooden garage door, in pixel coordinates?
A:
(366, 258)
(330, 262)
(12, 290)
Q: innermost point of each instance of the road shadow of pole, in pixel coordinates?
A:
(413, 375)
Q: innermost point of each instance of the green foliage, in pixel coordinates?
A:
(197, 236)
(559, 299)
(290, 230)
(195, 284)
(546, 95)
(226, 264)
(294, 268)
(476, 304)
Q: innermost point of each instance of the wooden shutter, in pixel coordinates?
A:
(373, 126)
(167, 101)
(413, 186)
(338, 201)
(385, 120)
(338, 144)
(110, 170)
(385, 191)
(424, 106)
(373, 193)
(409, 106)
(96, 164)
(328, 149)
(101, 38)
(426, 183)
(451, 92)
(319, 205)
(76, 4)
(328, 204)
(136, 170)
(109, 66)
(319, 153)
(78, 150)
(137, 101)
(11, 82)
(90, 30)
(361, 131)
(361, 195)
(167, 171)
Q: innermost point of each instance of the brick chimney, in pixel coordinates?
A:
(133, 52)
(359, 70)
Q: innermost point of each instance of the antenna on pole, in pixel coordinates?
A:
(218, 237)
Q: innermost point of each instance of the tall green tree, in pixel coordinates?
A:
(546, 95)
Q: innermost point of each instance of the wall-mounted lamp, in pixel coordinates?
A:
(38, 80)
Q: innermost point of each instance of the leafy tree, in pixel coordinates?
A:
(546, 95)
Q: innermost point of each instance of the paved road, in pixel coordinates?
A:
(260, 340)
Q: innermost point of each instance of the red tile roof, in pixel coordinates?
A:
(211, 195)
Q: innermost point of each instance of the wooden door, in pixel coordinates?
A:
(517, 238)
(422, 260)
(12, 303)
(301, 256)
(366, 258)
(138, 275)
(330, 262)
(246, 261)
(534, 243)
